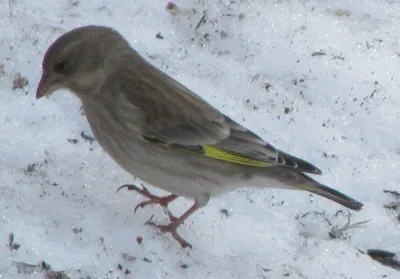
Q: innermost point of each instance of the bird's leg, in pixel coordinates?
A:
(164, 202)
(175, 223)
(152, 199)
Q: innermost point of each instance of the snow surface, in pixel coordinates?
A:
(252, 60)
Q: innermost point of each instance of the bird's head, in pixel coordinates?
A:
(78, 60)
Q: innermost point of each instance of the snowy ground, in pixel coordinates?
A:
(319, 79)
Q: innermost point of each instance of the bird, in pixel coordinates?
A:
(163, 133)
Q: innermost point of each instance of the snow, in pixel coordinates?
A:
(255, 61)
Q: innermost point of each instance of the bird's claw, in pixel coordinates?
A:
(143, 204)
(172, 229)
(152, 199)
(130, 187)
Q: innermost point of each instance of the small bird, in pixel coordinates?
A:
(163, 133)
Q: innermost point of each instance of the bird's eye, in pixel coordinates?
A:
(59, 67)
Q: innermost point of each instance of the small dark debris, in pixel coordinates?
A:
(159, 36)
(19, 82)
(184, 266)
(90, 139)
(77, 230)
(257, 76)
(10, 238)
(11, 244)
(14, 246)
(342, 12)
(378, 253)
(266, 269)
(318, 53)
(223, 34)
(119, 266)
(202, 20)
(384, 257)
(146, 260)
(127, 271)
(51, 274)
(45, 265)
(225, 212)
(267, 86)
(31, 168)
(395, 193)
(2, 71)
(207, 37)
(286, 110)
(239, 16)
(128, 258)
(73, 141)
(338, 57)
(326, 155)
(174, 10)
(139, 240)
(171, 6)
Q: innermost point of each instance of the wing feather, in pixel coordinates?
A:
(165, 111)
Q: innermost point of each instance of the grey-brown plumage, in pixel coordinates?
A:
(163, 133)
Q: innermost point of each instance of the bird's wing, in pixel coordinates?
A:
(172, 114)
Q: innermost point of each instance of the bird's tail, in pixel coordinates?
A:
(293, 179)
(332, 195)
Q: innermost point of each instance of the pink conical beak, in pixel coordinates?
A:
(46, 86)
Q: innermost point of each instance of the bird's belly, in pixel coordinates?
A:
(163, 168)
(170, 174)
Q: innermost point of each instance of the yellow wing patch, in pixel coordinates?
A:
(216, 153)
